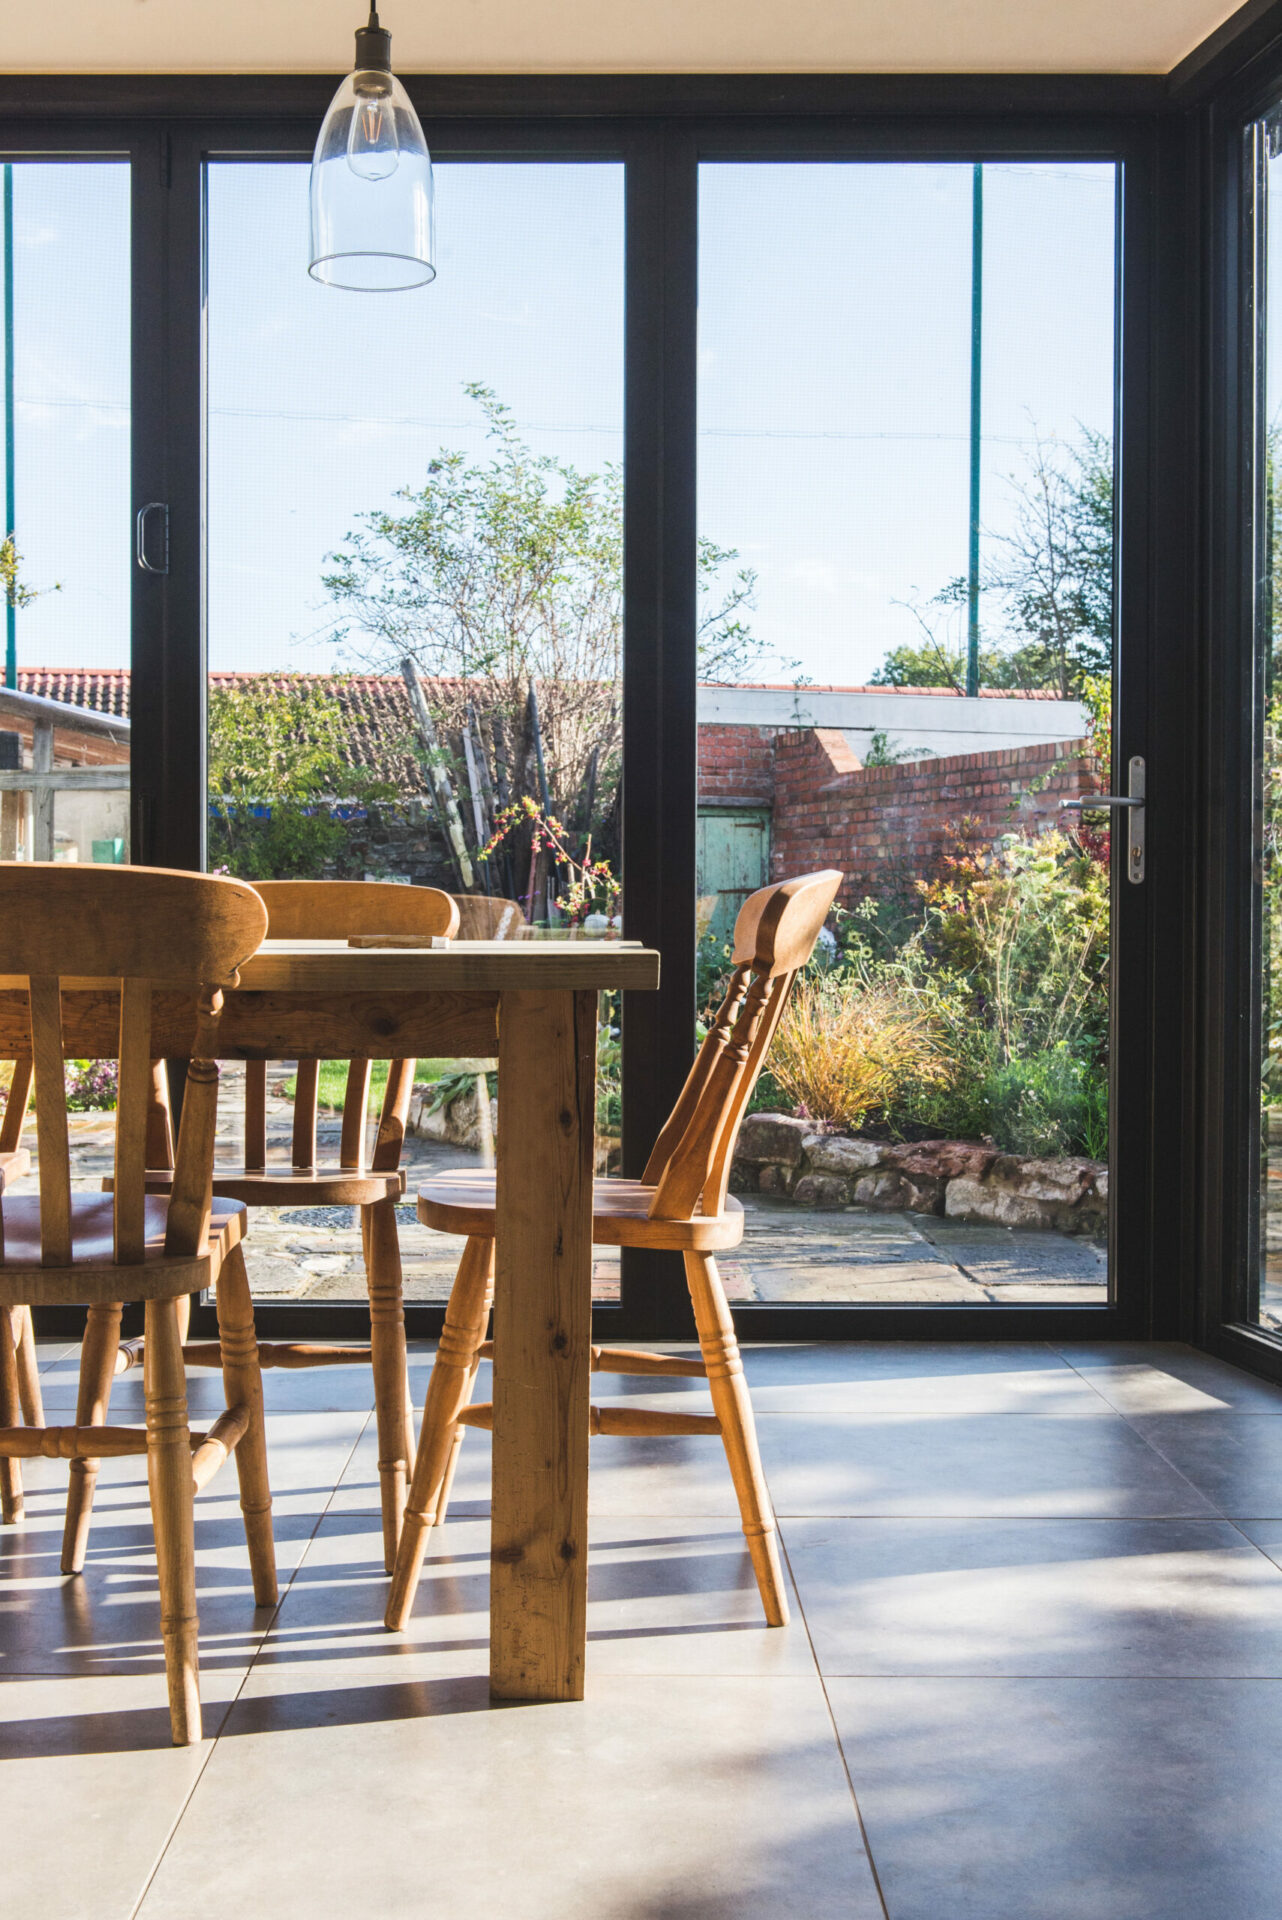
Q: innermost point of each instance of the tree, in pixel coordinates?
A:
(15, 590)
(507, 572)
(1051, 575)
(277, 757)
(1054, 569)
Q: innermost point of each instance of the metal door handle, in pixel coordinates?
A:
(140, 530)
(1135, 802)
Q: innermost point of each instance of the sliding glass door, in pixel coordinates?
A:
(413, 573)
(907, 615)
(65, 560)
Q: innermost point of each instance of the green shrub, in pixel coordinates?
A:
(1048, 1104)
(277, 757)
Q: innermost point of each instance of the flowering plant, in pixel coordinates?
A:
(592, 887)
(91, 1085)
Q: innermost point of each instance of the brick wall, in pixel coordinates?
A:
(878, 823)
(736, 765)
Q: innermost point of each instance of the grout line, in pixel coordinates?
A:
(832, 1721)
(181, 1814)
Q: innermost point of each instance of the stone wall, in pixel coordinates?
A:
(388, 842)
(779, 1155)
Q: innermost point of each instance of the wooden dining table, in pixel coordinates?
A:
(533, 1004)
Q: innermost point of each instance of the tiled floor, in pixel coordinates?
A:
(1034, 1670)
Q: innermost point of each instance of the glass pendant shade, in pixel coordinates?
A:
(371, 185)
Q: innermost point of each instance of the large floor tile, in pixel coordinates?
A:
(107, 1619)
(716, 1799)
(91, 1788)
(909, 1376)
(1006, 1464)
(664, 1596)
(1010, 1597)
(1234, 1458)
(1068, 1799)
(1139, 1377)
(345, 1388)
(682, 1475)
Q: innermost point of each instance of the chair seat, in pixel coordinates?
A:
(463, 1203)
(14, 1166)
(93, 1274)
(294, 1187)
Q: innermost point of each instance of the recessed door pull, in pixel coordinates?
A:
(145, 560)
(1134, 803)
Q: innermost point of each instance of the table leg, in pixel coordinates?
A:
(542, 1341)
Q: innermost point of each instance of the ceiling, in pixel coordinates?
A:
(607, 36)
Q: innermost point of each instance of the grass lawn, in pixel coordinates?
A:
(333, 1081)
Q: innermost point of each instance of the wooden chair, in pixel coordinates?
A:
(337, 909)
(681, 1202)
(143, 928)
(488, 917)
(15, 1164)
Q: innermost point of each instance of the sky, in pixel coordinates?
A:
(834, 357)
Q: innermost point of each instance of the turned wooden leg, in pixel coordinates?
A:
(447, 1484)
(11, 1501)
(720, 1350)
(33, 1407)
(97, 1369)
(448, 1392)
(172, 1515)
(243, 1386)
(390, 1360)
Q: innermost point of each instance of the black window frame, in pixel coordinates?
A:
(661, 129)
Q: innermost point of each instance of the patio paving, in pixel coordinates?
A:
(787, 1254)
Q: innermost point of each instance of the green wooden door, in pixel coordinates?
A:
(733, 860)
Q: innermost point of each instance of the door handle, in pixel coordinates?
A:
(140, 535)
(1133, 803)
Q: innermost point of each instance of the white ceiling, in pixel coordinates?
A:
(607, 36)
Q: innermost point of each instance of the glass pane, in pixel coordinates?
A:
(906, 601)
(65, 561)
(433, 476)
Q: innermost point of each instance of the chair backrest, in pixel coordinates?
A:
(488, 917)
(774, 937)
(143, 928)
(334, 910)
(337, 909)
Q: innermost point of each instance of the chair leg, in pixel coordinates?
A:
(390, 1360)
(447, 1484)
(12, 1506)
(172, 1514)
(33, 1411)
(720, 1350)
(448, 1392)
(97, 1370)
(243, 1385)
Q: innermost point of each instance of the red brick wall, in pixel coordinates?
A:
(736, 764)
(878, 822)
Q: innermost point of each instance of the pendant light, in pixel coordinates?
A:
(371, 185)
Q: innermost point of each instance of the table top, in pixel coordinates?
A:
(477, 966)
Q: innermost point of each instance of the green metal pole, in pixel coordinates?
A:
(976, 370)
